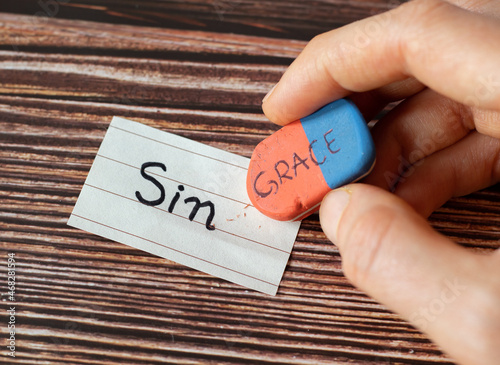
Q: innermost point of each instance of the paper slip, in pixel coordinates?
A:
(184, 201)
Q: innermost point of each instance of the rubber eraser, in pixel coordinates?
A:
(293, 169)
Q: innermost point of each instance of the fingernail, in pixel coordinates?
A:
(332, 209)
(269, 94)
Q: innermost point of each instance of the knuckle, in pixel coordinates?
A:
(367, 239)
(422, 15)
(422, 9)
(458, 116)
(312, 61)
(324, 66)
(326, 55)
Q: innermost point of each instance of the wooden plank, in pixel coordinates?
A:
(121, 80)
(21, 32)
(291, 19)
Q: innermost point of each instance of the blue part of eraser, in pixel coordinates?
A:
(346, 151)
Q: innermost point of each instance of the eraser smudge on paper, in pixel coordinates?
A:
(184, 201)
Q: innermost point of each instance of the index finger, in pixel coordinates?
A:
(449, 49)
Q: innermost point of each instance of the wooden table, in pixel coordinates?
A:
(198, 69)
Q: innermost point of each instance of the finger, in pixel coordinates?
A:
(487, 121)
(428, 154)
(415, 129)
(470, 165)
(390, 252)
(371, 103)
(447, 48)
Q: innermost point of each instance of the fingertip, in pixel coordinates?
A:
(331, 211)
(486, 122)
(271, 108)
(283, 104)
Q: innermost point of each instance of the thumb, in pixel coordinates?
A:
(391, 253)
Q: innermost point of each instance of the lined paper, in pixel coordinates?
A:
(184, 201)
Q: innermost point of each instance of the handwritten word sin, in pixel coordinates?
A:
(197, 203)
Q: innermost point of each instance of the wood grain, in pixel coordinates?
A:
(291, 19)
(187, 68)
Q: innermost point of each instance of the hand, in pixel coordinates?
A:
(442, 141)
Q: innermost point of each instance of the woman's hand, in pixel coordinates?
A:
(442, 141)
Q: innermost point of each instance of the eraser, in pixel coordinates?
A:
(293, 169)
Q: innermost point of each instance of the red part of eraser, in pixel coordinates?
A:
(277, 187)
